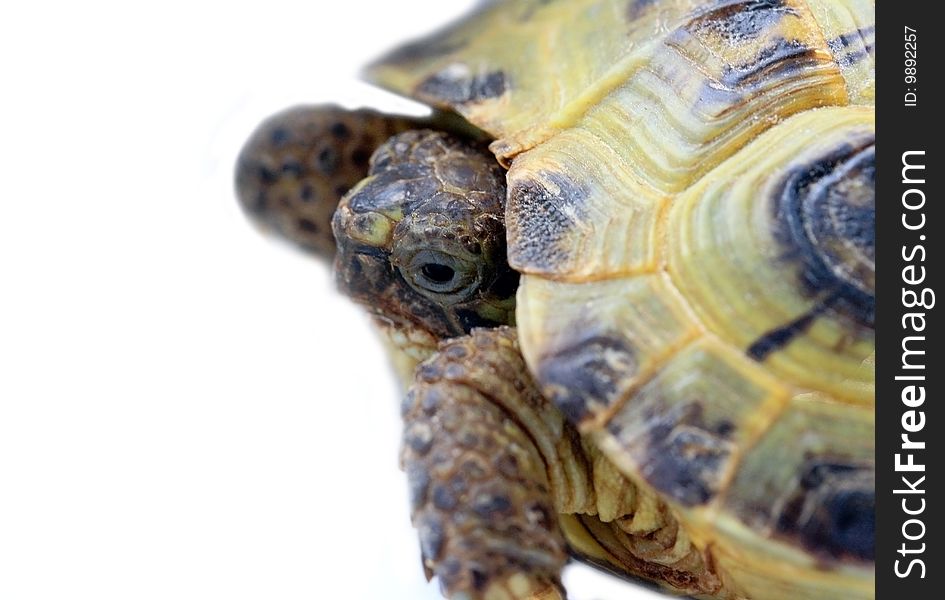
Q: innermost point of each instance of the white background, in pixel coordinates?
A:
(187, 409)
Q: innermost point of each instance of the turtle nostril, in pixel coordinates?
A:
(438, 273)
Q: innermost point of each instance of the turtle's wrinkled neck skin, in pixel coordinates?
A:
(421, 241)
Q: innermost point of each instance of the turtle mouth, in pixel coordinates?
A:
(406, 337)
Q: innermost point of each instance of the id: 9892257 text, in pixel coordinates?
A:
(910, 67)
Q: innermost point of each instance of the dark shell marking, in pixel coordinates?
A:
(849, 49)
(833, 512)
(586, 377)
(457, 85)
(779, 337)
(681, 454)
(684, 460)
(754, 23)
(682, 428)
(824, 219)
(737, 22)
(780, 60)
(539, 220)
(809, 481)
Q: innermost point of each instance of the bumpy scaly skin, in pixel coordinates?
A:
(480, 493)
(297, 165)
(421, 241)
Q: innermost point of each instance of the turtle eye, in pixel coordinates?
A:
(440, 275)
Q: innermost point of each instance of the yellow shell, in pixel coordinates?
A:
(691, 203)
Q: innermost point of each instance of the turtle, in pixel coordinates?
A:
(626, 272)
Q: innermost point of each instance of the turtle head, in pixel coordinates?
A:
(421, 241)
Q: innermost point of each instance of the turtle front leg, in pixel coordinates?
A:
(475, 439)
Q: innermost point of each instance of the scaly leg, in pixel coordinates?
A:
(480, 490)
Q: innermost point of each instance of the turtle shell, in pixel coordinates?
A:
(691, 202)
